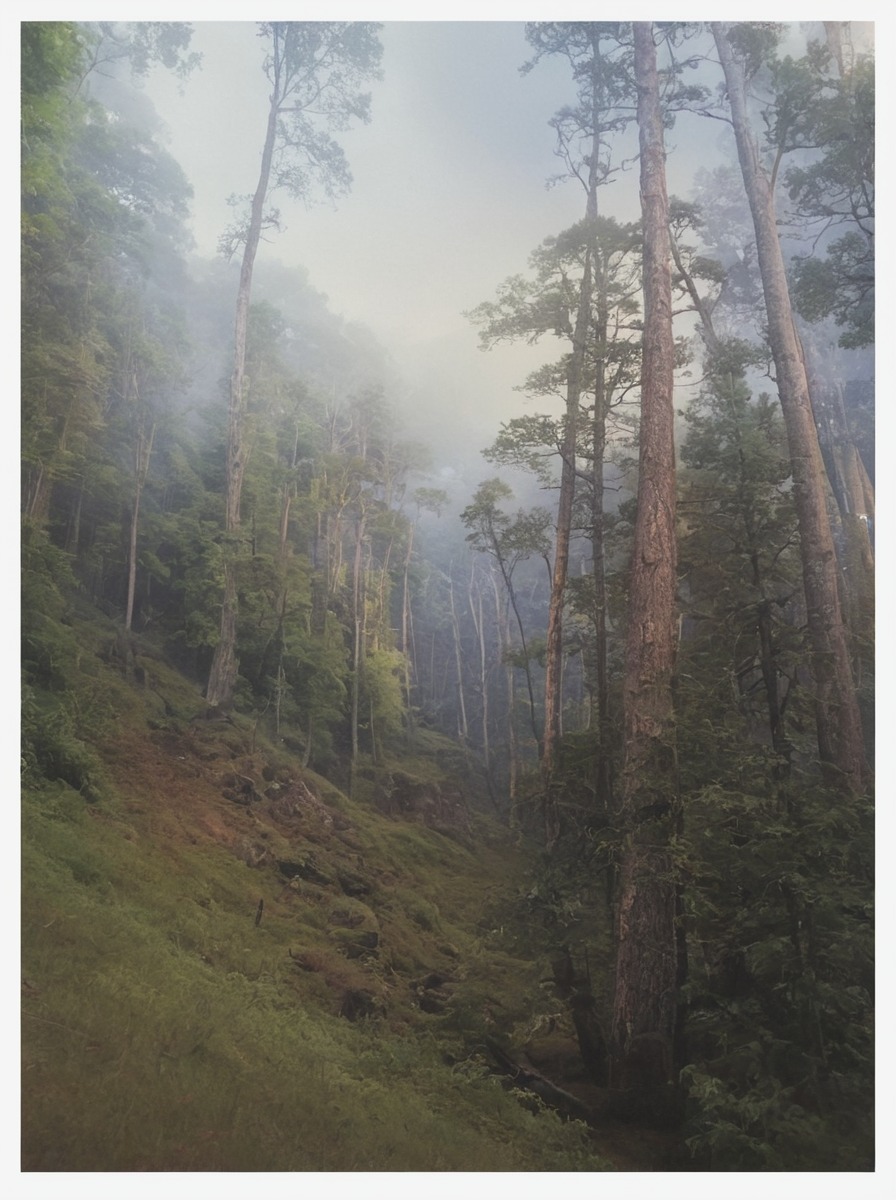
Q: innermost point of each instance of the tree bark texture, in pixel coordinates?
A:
(838, 723)
(645, 996)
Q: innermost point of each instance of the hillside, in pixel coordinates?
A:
(397, 804)
(229, 965)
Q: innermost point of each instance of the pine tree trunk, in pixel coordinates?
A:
(647, 953)
(838, 724)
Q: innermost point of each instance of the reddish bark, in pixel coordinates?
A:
(644, 1003)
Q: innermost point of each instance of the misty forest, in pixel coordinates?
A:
(447, 620)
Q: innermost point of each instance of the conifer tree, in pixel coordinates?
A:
(840, 738)
(645, 1004)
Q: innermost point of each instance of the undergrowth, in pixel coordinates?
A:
(170, 1022)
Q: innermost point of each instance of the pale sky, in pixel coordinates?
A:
(449, 193)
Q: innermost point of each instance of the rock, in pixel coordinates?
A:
(295, 800)
(239, 788)
(356, 943)
(353, 885)
(358, 1003)
(433, 992)
(253, 854)
(305, 869)
(442, 810)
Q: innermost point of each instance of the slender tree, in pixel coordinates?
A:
(509, 542)
(315, 70)
(580, 42)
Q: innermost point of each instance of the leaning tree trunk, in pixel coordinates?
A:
(647, 954)
(838, 723)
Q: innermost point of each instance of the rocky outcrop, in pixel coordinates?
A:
(437, 806)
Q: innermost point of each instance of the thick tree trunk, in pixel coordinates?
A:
(647, 954)
(838, 724)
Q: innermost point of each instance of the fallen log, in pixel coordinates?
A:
(531, 1081)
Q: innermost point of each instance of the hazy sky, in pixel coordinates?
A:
(448, 199)
(449, 193)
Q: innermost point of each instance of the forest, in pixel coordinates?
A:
(396, 802)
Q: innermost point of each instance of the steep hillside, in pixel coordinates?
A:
(230, 965)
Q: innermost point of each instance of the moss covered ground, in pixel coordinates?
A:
(230, 965)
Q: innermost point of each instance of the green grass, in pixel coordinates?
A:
(163, 1029)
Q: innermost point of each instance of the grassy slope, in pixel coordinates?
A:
(163, 1029)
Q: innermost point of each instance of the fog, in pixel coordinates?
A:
(449, 196)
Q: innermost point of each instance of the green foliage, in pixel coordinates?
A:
(780, 1036)
(48, 645)
(775, 868)
(836, 192)
(316, 69)
(61, 712)
(382, 692)
(739, 660)
(758, 1129)
(142, 44)
(840, 285)
(755, 42)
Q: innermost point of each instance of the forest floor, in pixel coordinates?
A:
(229, 964)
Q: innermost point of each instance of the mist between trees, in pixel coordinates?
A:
(645, 612)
